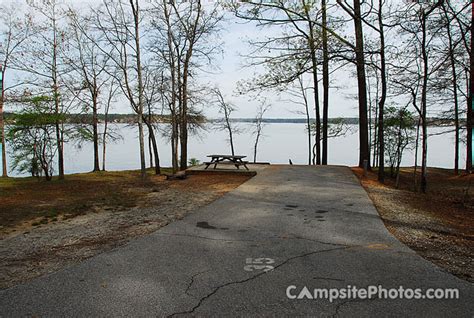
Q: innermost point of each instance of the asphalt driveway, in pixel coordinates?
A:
(288, 226)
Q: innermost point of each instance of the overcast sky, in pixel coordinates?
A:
(231, 71)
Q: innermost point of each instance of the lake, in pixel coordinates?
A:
(280, 142)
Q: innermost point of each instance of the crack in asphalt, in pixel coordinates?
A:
(212, 293)
(191, 282)
(341, 304)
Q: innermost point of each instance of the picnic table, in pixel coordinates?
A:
(235, 160)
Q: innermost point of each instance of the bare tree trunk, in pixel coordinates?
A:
(174, 124)
(456, 103)
(172, 106)
(399, 150)
(44, 163)
(2, 127)
(184, 110)
(417, 142)
(106, 125)
(314, 71)
(174, 146)
(231, 142)
(375, 141)
(455, 90)
(308, 118)
(383, 77)
(325, 83)
(371, 121)
(104, 143)
(229, 130)
(308, 124)
(364, 151)
(95, 133)
(151, 134)
(470, 106)
(150, 152)
(424, 105)
(136, 18)
(54, 73)
(255, 147)
(183, 133)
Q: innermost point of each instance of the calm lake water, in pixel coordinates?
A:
(279, 143)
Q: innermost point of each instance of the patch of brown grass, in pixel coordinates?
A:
(33, 202)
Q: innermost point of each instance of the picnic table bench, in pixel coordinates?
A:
(235, 160)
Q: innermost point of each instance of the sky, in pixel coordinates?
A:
(230, 71)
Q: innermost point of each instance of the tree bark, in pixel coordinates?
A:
(104, 143)
(95, 133)
(314, 71)
(325, 83)
(364, 151)
(455, 93)
(54, 73)
(136, 18)
(424, 129)
(2, 127)
(308, 118)
(383, 77)
(183, 138)
(415, 170)
(150, 151)
(151, 133)
(470, 106)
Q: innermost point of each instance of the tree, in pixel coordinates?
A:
(298, 44)
(383, 97)
(470, 106)
(226, 109)
(14, 32)
(356, 15)
(299, 96)
(462, 15)
(92, 68)
(449, 77)
(399, 134)
(417, 25)
(119, 24)
(152, 97)
(108, 135)
(3, 145)
(183, 40)
(33, 132)
(324, 28)
(258, 126)
(43, 59)
(337, 127)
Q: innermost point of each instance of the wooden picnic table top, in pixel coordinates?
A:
(227, 156)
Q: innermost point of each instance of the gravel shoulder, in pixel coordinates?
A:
(438, 225)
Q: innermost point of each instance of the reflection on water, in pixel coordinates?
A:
(279, 143)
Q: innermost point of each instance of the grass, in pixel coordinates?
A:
(40, 201)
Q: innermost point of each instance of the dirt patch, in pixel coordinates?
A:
(438, 225)
(47, 226)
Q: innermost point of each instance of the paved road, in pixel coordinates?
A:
(316, 225)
